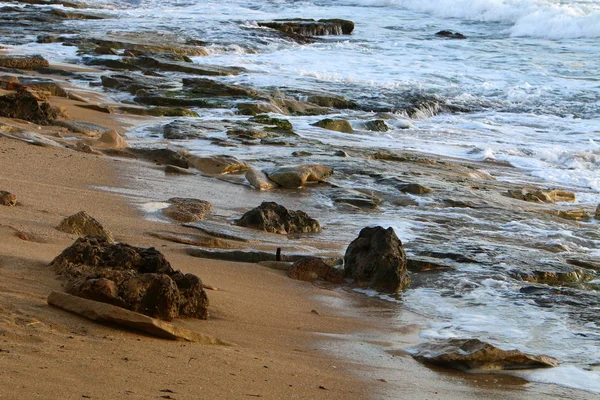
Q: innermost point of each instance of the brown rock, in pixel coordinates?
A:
(187, 210)
(541, 196)
(259, 180)
(25, 105)
(475, 354)
(102, 312)
(413, 188)
(83, 224)
(598, 212)
(23, 62)
(377, 258)
(217, 164)
(295, 176)
(339, 125)
(272, 217)
(7, 198)
(313, 268)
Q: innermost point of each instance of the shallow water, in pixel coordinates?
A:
(529, 76)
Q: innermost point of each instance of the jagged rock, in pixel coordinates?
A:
(25, 105)
(310, 27)
(598, 212)
(573, 215)
(102, 312)
(272, 217)
(376, 125)
(182, 130)
(312, 268)
(332, 101)
(161, 156)
(541, 196)
(339, 125)
(295, 176)
(450, 35)
(160, 111)
(250, 134)
(377, 258)
(23, 62)
(188, 68)
(47, 85)
(112, 140)
(474, 354)
(210, 87)
(556, 277)
(259, 180)
(277, 123)
(360, 202)
(413, 188)
(85, 128)
(7, 198)
(255, 108)
(187, 210)
(83, 224)
(137, 279)
(134, 83)
(217, 164)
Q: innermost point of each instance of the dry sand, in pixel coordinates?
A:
(347, 349)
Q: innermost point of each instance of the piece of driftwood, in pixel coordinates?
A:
(103, 312)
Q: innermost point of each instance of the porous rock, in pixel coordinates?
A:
(25, 105)
(187, 210)
(23, 62)
(312, 268)
(135, 278)
(475, 354)
(275, 218)
(7, 198)
(377, 258)
(83, 224)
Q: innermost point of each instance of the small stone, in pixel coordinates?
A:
(7, 198)
(187, 210)
(83, 224)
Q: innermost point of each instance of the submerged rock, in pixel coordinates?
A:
(573, 215)
(182, 130)
(377, 125)
(312, 268)
(83, 224)
(339, 125)
(298, 175)
(277, 123)
(137, 279)
(311, 27)
(541, 196)
(450, 35)
(275, 218)
(413, 188)
(25, 105)
(474, 354)
(377, 258)
(187, 210)
(23, 62)
(210, 87)
(7, 198)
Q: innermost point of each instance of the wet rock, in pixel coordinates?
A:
(298, 175)
(413, 188)
(541, 196)
(259, 257)
(301, 154)
(83, 224)
(425, 264)
(47, 85)
(255, 108)
(217, 164)
(169, 99)
(210, 87)
(160, 111)
(250, 134)
(312, 268)
(332, 101)
(554, 277)
(161, 156)
(450, 35)
(474, 354)
(23, 62)
(187, 210)
(275, 218)
(102, 312)
(311, 27)
(7, 198)
(172, 169)
(377, 125)
(597, 216)
(25, 105)
(377, 258)
(137, 279)
(135, 82)
(188, 68)
(85, 128)
(259, 180)
(341, 153)
(360, 202)
(278, 124)
(339, 125)
(182, 130)
(573, 215)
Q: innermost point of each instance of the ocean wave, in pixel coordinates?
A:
(551, 19)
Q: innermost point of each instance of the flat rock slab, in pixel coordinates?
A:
(102, 312)
(253, 256)
(233, 232)
(475, 354)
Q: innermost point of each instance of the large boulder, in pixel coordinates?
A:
(25, 105)
(187, 210)
(137, 279)
(294, 176)
(475, 354)
(83, 224)
(312, 268)
(377, 258)
(275, 218)
(7, 198)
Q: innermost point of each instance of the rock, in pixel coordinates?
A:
(217, 164)
(102, 312)
(135, 82)
(169, 99)
(255, 108)
(47, 85)
(187, 210)
(332, 101)
(83, 224)
(339, 125)
(23, 62)
(573, 215)
(111, 139)
(541, 196)
(425, 264)
(272, 217)
(193, 240)
(259, 257)
(597, 216)
(84, 128)
(159, 111)
(360, 202)
(7, 198)
(377, 258)
(295, 176)
(188, 68)
(341, 153)
(137, 279)
(161, 156)
(172, 169)
(377, 125)
(182, 130)
(277, 123)
(474, 354)
(413, 188)
(25, 105)
(210, 87)
(250, 134)
(310, 27)
(450, 35)
(259, 180)
(556, 277)
(312, 268)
